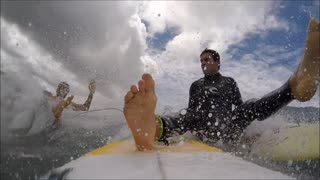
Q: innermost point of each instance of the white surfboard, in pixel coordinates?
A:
(185, 160)
(290, 142)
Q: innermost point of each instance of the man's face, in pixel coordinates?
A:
(208, 65)
(63, 91)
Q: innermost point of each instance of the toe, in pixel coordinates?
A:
(128, 97)
(134, 89)
(149, 82)
(141, 85)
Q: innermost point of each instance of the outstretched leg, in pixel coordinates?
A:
(303, 82)
(139, 111)
(302, 86)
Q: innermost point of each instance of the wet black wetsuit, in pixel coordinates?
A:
(216, 110)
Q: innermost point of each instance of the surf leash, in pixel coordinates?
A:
(96, 110)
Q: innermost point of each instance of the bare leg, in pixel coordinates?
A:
(139, 111)
(303, 82)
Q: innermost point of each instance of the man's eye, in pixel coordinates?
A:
(204, 60)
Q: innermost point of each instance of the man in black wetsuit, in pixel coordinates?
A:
(216, 110)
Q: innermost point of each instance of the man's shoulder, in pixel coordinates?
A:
(47, 93)
(200, 80)
(228, 79)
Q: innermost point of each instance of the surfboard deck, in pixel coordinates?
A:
(293, 142)
(185, 160)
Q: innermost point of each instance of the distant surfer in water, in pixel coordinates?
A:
(216, 110)
(59, 103)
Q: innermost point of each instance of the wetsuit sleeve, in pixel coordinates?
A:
(179, 123)
(235, 94)
(192, 97)
(83, 107)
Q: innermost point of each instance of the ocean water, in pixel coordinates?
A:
(33, 156)
(30, 157)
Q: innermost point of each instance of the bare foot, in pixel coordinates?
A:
(303, 82)
(139, 111)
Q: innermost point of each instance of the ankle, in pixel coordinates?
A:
(144, 145)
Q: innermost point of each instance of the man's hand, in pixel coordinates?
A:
(68, 101)
(92, 87)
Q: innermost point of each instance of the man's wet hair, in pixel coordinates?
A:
(215, 55)
(62, 84)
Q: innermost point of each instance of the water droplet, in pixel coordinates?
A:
(216, 123)
(210, 115)
(209, 123)
(146, 134)
(183, 112)
(233, 107)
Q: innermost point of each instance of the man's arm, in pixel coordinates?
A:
(47, 94)
(87, 104)
(236, 95)
(83, 107)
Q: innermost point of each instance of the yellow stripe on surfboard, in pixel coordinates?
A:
(128, 147)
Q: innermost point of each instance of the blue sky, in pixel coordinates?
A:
(297, 13)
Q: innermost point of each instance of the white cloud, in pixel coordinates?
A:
(101, 40)
(22, 55)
